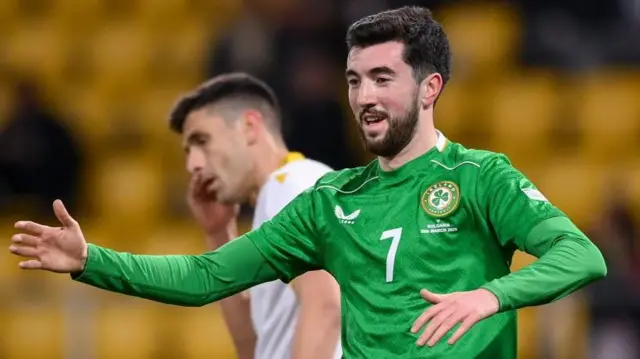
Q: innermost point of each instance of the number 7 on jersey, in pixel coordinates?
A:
(395, 235)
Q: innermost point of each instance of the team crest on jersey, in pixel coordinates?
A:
(441, 199)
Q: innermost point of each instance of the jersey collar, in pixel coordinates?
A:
(408, 168)
(292, 157)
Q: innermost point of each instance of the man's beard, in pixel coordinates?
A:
(400, 131)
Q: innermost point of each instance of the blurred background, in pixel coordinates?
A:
(86, 87)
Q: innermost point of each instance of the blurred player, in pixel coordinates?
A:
(429, 220)
(236, 154)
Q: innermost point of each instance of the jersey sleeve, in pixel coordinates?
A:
(513, 205)
(186, 280)
(522, 217)
(289, 241)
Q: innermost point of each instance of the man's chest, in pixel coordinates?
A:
(390, 235)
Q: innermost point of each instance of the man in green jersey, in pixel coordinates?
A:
(420, 240)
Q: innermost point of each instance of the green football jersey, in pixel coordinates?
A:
(447, 221)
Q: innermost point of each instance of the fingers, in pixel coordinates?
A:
(31, 227)
(432, 297)
(62, 214)
(426, 316)
(467, 323)
(435, 324)
(198, 188)
(25, 239)
(446, 325)
(24, 251)
(30, 264)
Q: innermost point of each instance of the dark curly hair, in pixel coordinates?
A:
(426, 44)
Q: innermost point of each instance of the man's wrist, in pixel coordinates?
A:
(82, 266)
(85, 255)
(495, 294)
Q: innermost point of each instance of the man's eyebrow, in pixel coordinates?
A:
(380, 70)
(350, 73)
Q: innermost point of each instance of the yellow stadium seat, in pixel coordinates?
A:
(6, 98)
(98, 108)
(89, 112)
(574, 185)
(34, 331)
(608, 109)
(129, 192)
(529, 333)
(9, 271)
(38, 50)
(529, 329)
(524, 108)
(155, 107)
(178, 53)
(120, 52)
(451, 109)
(164, 14)
(9, 20)
(632, 180)
(483, 37)
(217, 13)
(78, 17)
(125, 328)
(176, 238)
(205, 334)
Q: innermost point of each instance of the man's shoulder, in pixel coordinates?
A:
(347, 180)
(480, 160)
(297, 175)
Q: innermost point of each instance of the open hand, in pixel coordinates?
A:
(448, 310)
(56, 249)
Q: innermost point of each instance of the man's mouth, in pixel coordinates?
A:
(370, 119)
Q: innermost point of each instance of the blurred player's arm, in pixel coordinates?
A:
(318, 324)
(522, 217)
(236, 309)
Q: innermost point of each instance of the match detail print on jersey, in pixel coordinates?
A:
(441, 199)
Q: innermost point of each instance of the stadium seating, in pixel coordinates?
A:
(34, 330)
(115, 68)
(125, 327)
(524, 108)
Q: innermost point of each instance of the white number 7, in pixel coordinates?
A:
(394, 235)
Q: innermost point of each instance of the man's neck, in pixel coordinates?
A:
(425, 138)
(269, 156)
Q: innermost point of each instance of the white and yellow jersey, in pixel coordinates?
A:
(273, 304)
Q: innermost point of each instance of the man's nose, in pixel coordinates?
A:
(366, 97)
(195, 162)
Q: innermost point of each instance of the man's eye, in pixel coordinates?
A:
(352, 82)
(382, 80)
(200, 141)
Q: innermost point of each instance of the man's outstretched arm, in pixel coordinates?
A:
(185, 280)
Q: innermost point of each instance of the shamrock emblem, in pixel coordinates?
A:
(440, 197)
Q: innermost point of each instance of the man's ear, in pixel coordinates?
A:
(430, 88)
(251, 125)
